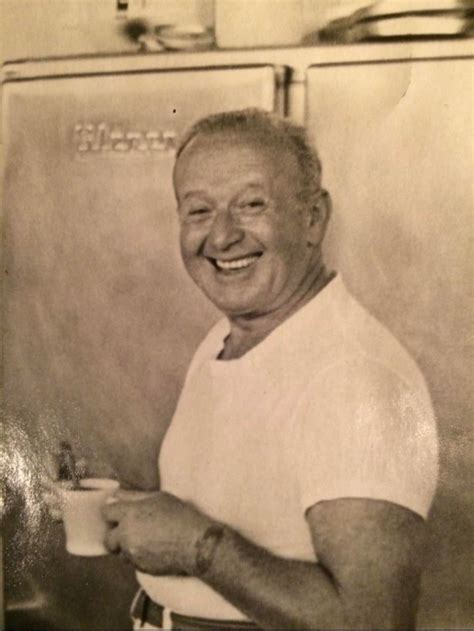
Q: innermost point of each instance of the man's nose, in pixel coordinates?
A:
(224, 231)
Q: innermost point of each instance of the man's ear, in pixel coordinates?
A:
(320, 212)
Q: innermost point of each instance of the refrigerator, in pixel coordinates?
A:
(100, 318)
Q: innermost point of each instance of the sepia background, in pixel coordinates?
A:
(99, 317)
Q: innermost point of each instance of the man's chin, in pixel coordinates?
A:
(233, 306)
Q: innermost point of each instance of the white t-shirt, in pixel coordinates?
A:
(328, 406)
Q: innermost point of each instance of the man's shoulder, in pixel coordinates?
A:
(367, 368)
(363, 342)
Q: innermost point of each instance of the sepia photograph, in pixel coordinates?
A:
(237, 314)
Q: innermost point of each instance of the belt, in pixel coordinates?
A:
(146, 610)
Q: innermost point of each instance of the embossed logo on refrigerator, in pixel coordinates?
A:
(118, 139)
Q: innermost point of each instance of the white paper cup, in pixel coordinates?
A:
(82, 516)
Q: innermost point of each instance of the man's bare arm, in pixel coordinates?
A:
(367, 576)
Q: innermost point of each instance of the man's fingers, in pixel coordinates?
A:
(114, 510)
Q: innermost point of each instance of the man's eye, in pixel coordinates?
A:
(194, 214)
(197, 213)
(253, 204)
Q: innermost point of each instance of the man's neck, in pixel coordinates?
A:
(248, 331)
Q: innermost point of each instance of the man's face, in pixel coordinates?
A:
(244, 234)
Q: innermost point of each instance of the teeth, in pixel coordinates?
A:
(236, 263)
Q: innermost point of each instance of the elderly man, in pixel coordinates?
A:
(301, 460)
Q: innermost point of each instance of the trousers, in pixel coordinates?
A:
(149, 615)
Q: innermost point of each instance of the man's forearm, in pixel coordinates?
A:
(276, 593)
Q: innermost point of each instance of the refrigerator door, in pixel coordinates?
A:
(396, 144)
(100, 317)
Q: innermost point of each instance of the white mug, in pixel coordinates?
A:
(84, 524)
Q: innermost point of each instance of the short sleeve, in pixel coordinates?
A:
(361, 431)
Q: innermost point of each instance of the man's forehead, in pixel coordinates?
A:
(219, 143)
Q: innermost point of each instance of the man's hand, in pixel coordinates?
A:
(156, 531)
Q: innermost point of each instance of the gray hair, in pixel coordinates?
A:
(270, 130)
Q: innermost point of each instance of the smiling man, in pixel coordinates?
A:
(301, 461)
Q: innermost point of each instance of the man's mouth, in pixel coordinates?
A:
(235, 264)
